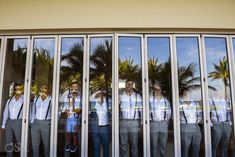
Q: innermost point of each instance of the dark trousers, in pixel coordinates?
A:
(220, 132)
(190, 134)
(40, 129)
(13, 128)
(128, 132)
(158, 136)
(100, 137)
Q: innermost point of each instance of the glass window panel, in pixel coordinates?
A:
(130, 97)
(233, 46)
(12, 96)
(40, 96)
(160, 97)
(189, 80)
(100, 97)
(1, 54)
(70, 100)
(222, 140)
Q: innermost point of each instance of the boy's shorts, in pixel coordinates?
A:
(71, 123)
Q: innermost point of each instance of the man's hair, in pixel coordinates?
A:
(17, 84)
(74, 82)
(129, 80)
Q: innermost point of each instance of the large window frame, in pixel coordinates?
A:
(231, 49)
(87, 96)
(206, 96)
(115, 91)
(2, 70)
(57, 87)
(143, 67)
(171, 54)
(28, 78)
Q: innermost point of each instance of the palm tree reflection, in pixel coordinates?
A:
(221, 72)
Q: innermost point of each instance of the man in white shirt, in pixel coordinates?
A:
(41, 122)
(99, 117)
(160, 113)
(221, 122)
(190, 117)
(130, 117)
(12, 119)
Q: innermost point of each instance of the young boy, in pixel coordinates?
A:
(71, 110)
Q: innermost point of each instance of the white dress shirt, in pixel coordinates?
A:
(40, 109)
(130, 106)
(159, 109)
(102, 112)
(219, 110)
(190, 113)
(12, 109)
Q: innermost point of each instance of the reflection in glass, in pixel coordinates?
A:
(159, 69)
(12, 96)
(130, 99)
(1, 54)
(70, 101)
(191, 120)
(40, 98)
(233, 46)
(100, 92)
(220, 97)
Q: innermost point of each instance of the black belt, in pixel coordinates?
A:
(158, 120)
(129, 119)
(103, 125)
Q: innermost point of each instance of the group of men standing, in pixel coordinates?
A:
(40, 120)
(130, 121)
(161, 112)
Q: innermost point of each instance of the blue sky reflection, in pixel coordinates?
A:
(216, 50)
(47, 44)
(159, 48)
(187, 53)
(130, 47)
(22, 43)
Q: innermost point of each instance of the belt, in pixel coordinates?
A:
(129, 119)
(16, 119)
(43, 119)
(158, 120)
(103, 125)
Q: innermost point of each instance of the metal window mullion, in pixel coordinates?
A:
(83, 121)
(113, 95)
(27, 83)
(116, 96)
(205, 99)
(2, 58)
(56, 106)
(175, 98)
(55, 98)
(232, 75)
(146, 102)
(85, 99)
(87, 95)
